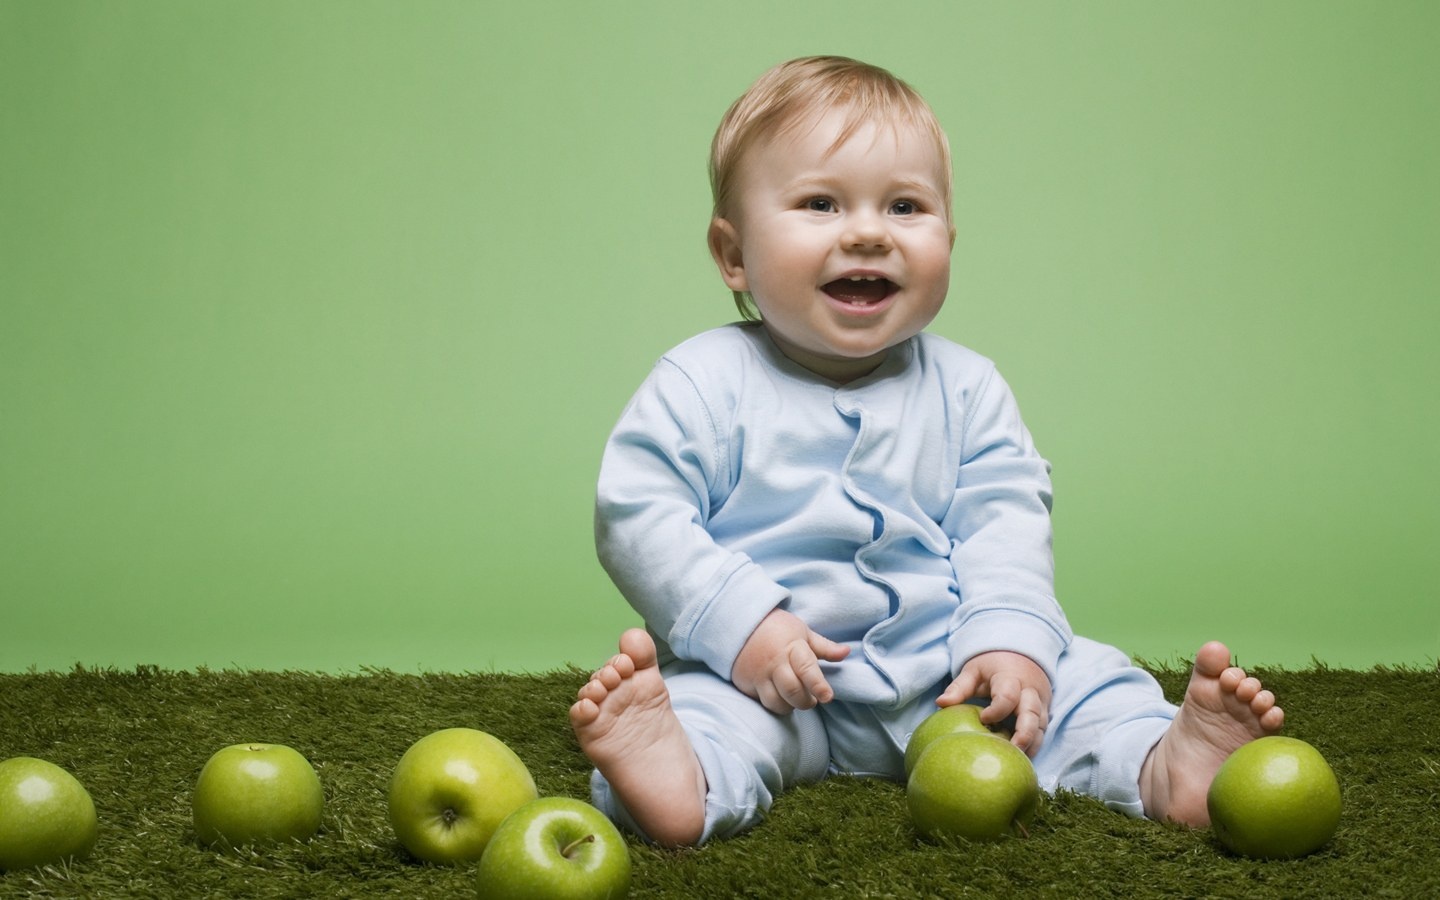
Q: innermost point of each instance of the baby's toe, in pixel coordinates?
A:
(1262, 702)
(583, 712)
(1232, 678)
(1247, 690)
(1212, 658)
(1273, 719)
(608, 677)
(593, 691)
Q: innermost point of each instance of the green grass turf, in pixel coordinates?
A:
(138, 739)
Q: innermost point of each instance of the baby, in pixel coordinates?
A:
(832, 521)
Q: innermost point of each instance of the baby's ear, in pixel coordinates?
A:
(724, 242)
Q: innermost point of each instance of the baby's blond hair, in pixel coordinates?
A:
(799, 91)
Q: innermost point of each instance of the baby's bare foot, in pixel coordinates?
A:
(1223, 709)
(625, 724)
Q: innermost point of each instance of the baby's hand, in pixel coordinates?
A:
(780, 664)
(1015, 684)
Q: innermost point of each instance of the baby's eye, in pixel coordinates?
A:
(904, 208)
(820, 204)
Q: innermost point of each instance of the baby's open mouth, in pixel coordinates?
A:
(860, 289)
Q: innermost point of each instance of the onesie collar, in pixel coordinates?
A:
(895, 362)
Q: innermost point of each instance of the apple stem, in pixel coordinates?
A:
(570, 847)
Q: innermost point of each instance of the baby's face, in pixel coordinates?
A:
(846, 252)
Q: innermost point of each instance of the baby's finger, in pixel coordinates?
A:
(807, 671)
(770, 698)
(1031, 720)
(791, 689)
(960, 690)
(1004, 701)
(826, 649)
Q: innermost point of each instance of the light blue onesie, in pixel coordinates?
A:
(906, 514)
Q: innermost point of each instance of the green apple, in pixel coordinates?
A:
(1274, 798)
(451, 790)
(947, 720)
(556, 848)
(975, 786)
(46, 815)
(257, 794)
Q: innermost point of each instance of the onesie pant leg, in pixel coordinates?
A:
(1105, 716)
(748, 754)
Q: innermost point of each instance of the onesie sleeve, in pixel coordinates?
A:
(999, 525)
(664, 470)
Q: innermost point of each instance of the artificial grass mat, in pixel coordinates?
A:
(137, 740)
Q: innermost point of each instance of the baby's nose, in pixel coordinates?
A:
(867, 233)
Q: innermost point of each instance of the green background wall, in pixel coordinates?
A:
(314, 315)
